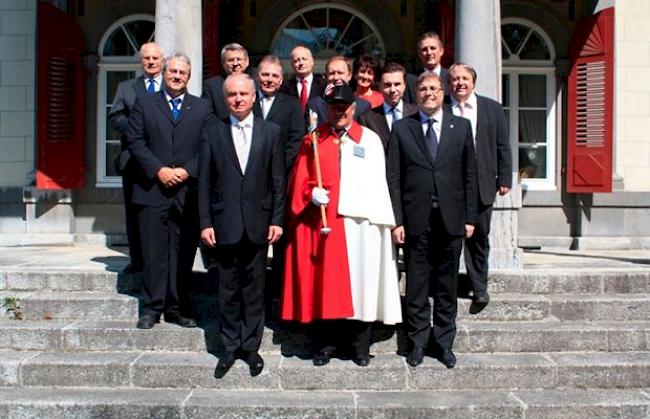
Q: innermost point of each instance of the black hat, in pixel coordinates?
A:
(341, 93)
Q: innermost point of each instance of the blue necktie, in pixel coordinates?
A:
(432, 139)
(152, 86)
(175, 109)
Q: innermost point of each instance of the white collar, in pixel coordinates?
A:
(246, 122)
(471, 101)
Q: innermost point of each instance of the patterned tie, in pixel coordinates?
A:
(432, 139)
(152, 86)
(176, 112)
(304, 95)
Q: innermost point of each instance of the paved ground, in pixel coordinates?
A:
(98, 257)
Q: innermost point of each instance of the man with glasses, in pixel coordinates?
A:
(234, 59)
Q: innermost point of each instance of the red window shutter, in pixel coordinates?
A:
(211, 53)
(590, 105)
(61, 110)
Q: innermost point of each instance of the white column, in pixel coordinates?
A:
(478, 42)
(179, 29)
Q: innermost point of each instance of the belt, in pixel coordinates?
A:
(435, 204)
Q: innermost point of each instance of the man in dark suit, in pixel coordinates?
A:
(128, 91)
(392, 85)
(494, 164)
(241, 211)
(432, 182)
(234, 59)
(164, 136)
(303, 68)
(430, 51)
(338, 71)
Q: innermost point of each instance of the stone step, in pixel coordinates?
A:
(271, 404)
(385, 373)
(60, 305)
(472, 336)
(529, 281)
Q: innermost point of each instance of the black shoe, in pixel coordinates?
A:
(479, 302)
(255, 363)
(362, 360)
(147, 321)
(415, 357)
(447, 357)
(321, 358)
(177, 318)
(225, 363)
(132, 269)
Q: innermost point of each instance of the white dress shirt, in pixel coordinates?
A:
(437, 126)
(157, 82)
(309, 79)
(468, 110)
(265, 103)
(399, 109)
(242, 135)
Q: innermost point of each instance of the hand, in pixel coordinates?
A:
(181, 173)
(398, 235)
(319, 196)
(503, 190)
(168, 177)
(469, 230)
(274, 234)
(208, 237)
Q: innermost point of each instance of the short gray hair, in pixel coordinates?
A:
(177, 56)
(239, 75)
(233, 46)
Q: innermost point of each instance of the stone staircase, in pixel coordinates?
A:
(553, 343)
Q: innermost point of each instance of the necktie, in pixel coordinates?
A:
(242, 146)
(265, 107)
(461, 106)
(432, 139)
(396, 114)
(176, 112)
(304, 95)
(152, 86)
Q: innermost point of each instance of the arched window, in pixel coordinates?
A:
(119, 60)
(328, 29)
(529, 99)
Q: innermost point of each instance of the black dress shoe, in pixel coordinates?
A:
(415, 357)
(479, 302)
(255, 363)
(362, 360)
(225, 363)
(447, 357)
(147, 321)
(177, 318)
(321, 358)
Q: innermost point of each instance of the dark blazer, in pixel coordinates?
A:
(319, 106)
(375, 119)
(411, 175)
(290, 87)
(125, 96)
(213, 93)
(286, 113)
(493, 155)
(411, 83)
(232, 202)
(156, 140)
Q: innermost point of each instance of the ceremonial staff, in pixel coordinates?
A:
(313, 136)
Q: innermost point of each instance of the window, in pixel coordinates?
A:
(327, 29)
(119, 60)
(529, 101)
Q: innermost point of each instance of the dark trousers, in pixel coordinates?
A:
(432, 260)
(241, 270)
(477, 251)
(131, 217)
(343, 335)
(170, 236)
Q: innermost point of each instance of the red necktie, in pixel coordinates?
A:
(304, 95)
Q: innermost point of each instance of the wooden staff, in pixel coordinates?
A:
(319, 180)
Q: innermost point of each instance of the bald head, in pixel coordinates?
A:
(302, 61)
(151, 57)
(239, 91)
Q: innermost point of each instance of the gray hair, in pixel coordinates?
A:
(426, 75)
(176, 56)
(233, 46)
(269, 59)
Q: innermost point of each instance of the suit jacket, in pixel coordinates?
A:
(413, 176)
(125, 96)
(287, 114)
(411, 82)
(232, 202)
(493, 155)
(319, 106)
(156, 140)
(290, 87)
(375, 119)
(213, 93)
